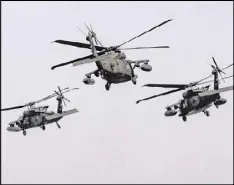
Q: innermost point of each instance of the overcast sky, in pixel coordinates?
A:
(112, 139)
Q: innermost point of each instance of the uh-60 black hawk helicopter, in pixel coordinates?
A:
(195, 100)
(112, 64)
(39, 116)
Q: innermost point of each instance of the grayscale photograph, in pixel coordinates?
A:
(117, 92)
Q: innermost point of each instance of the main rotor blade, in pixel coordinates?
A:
(181, 86)
(82, 32)
(144, 47)
(144, 32)
(68, 91)
(78, 59)
(79, 44)
(162, 94)
(212, 92)
(50, 96)
(212, 74)
(55, 94)
(227, 67)
(43, 99)
(11, 108)
(204, 79)
(213, 80)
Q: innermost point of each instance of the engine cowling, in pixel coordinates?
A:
(89, 81)
(146, 67)
(220, 101)
(28, 113)
(171, 112)
(188, 94)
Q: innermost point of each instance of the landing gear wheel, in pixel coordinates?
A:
(43, 127)
(184, 118)
(107, 86)
(134, 81)
(96, 73)
(207, 113)
(24, 132)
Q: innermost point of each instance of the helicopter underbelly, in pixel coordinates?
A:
(116, 71)
(201, 109)
(116, 77)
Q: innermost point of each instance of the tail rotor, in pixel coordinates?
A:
(216, 68)
(61, 96)
(94, 35)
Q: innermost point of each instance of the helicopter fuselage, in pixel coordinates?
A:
(39, 116)
(30, 119)
(196, 104)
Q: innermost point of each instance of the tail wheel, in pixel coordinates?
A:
(184, 118)
(24, 132)
(96, 73)
(207, 113)
(107, 86)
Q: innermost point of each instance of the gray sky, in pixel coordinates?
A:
(111, 139)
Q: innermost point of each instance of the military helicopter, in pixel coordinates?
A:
(195, 100)
(39, 116)
(111, 63)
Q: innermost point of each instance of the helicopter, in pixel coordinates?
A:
(195, 100)
(39, 116)
(111, 63)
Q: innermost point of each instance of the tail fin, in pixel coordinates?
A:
(89, 38)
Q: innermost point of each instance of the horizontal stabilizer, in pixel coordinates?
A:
(59, 115)
(212, 92)
(175, 104)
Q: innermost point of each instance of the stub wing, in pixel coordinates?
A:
(175, 104)
(60, 115)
